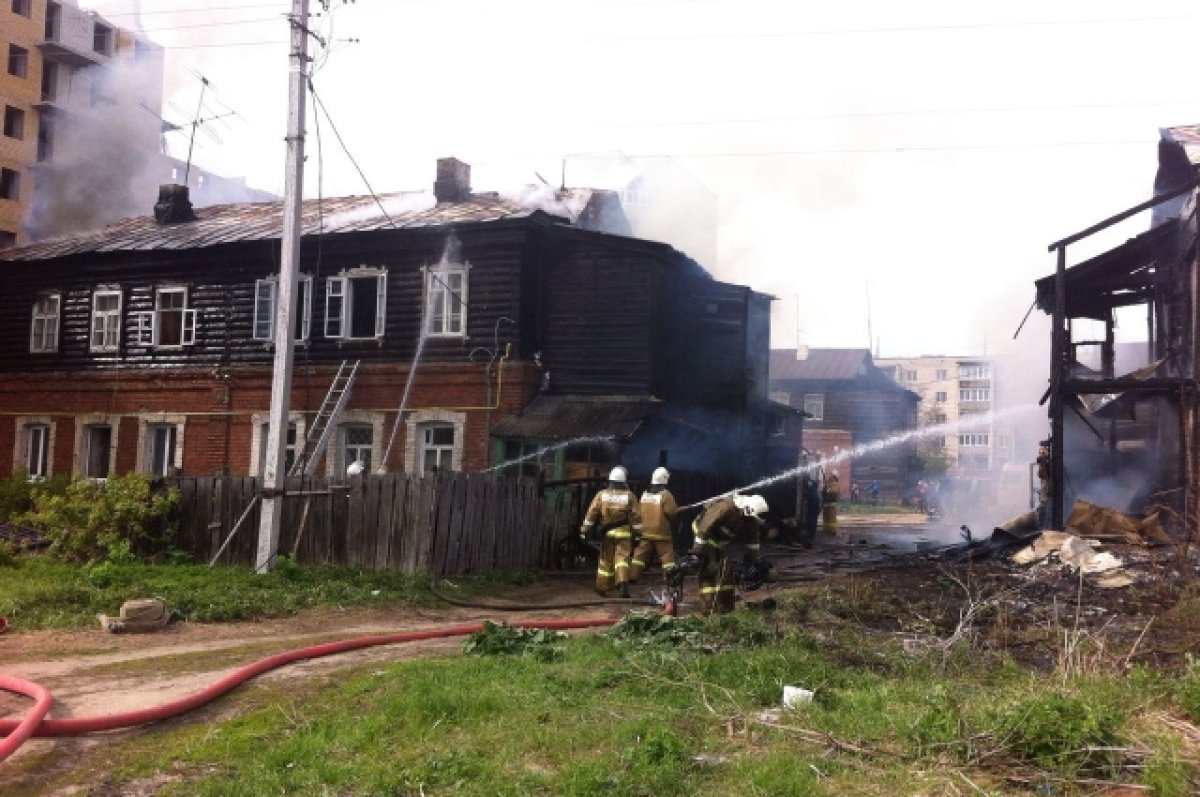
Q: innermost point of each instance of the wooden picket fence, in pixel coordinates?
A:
(447, 524)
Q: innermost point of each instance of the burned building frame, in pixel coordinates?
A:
(1127, 440)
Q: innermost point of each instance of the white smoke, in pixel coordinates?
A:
(106, 160)
(393, 205)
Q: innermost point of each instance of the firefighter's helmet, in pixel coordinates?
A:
(617, 474)
(660, 476)
(754, 506)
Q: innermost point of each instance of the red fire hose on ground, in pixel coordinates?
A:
(22, 730)
(34, 724)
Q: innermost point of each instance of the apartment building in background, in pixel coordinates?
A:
(962, 390)
(81, 97)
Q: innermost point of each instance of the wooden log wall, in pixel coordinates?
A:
(449, 524)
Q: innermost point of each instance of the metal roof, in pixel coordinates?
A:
(820, 364)
(223, 224)
(567, 417)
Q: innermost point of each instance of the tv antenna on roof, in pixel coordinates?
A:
(199, 120)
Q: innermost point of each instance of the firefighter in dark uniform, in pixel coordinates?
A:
(615, 512)
(658, 511)
(722, 522)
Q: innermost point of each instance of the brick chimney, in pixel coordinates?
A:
(453, 182)
(173, 205)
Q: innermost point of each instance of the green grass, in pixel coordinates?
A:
(657, 709)
(38, 593)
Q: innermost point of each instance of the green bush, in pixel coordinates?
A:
(1061, 733)
(93, 522)
(18, 494)
(1188, 690)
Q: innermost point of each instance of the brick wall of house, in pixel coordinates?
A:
(218, 408)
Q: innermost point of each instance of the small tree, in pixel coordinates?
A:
(935, 461)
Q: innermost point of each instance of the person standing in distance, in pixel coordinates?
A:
(658, 514)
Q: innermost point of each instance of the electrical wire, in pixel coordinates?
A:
(371, 190)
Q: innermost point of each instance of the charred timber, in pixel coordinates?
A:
(1149, 386)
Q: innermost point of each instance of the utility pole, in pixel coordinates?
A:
(285, 300)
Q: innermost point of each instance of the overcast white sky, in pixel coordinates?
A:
(921, 152)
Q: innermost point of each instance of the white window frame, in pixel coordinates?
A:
(974, 394)
(442, 450)
(413, 436)
(335, 454)
(437, 286)
(43, 328)
(106, 322)
(258, 439)
(973, 440)
(147, 424)
(975, 372)
(148, 329)
(82, 424)
(339, 304)
(24, 441)
(815, 401)
(266, 295)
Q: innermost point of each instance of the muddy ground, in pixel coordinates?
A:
(888, 575)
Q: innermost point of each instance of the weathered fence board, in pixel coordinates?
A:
(447, 524)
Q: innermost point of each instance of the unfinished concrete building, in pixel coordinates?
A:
(1129, 440)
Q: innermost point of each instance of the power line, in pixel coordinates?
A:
(280, 18)
(784, 34)
(275, 43)
(282, 6)
(899, 113)
(312, 89)
(898, 150)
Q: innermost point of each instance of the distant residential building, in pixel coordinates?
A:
(206, 188)
(842, 390)
(81, 96)
(961, 393)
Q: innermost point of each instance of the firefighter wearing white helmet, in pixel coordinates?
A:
(658, 513)
(615, 513)
(738, 517)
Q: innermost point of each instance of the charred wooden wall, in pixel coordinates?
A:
(221, 285)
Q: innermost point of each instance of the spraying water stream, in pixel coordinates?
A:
(973, 422)
(449, 256)
(557, 446)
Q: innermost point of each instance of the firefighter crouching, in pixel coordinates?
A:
(615, 512)
(722, 522)
(658, 509)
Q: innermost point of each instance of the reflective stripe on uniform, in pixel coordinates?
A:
(622, 564)
(619, 534)
(752, 546)
(601, 572)
(637, 562)
(713, 590)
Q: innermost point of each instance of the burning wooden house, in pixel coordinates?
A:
(1131, 440)
(530, 322)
